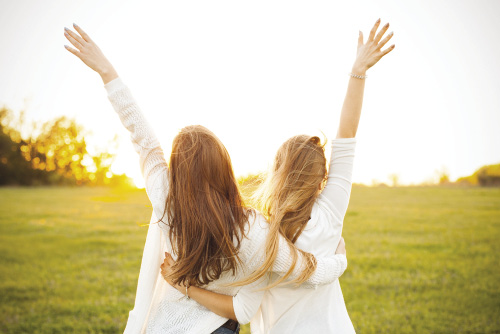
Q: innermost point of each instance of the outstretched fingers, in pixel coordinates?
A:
(385, 40)
(72, 39)
(75, 36)
(381, 33)
(82, 33)
(374, 30)
(360, 38)
(389, 49)
(73, 51)
(370, 53)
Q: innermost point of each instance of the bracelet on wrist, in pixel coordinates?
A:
(187, 294)
(357, 76)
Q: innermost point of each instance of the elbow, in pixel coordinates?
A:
(242, 316)
(230, 313)
(232, 316)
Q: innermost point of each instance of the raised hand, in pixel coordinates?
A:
(371, 52)
(88, 52)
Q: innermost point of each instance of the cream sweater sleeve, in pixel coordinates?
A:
(248, 299)
(154, 169)
(328, 269)
(338, 187)
(152, 161)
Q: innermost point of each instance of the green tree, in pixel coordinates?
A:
(486, 176)
(54, 153)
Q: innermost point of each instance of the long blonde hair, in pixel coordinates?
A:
(286, 198)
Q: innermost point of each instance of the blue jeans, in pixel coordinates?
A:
(223, 330)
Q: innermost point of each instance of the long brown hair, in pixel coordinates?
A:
(205, 211)
(286, 198)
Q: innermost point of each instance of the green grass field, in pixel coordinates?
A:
(421, 260)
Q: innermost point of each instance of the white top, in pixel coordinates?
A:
(160, 308)
(297, 309)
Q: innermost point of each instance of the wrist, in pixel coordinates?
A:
(184, 289)
(108, 74)
(180, 288)
(359, 69)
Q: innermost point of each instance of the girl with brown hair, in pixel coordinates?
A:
(308, 217)
(199, 218)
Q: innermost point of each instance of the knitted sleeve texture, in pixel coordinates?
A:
(151, 158)
(328, 268)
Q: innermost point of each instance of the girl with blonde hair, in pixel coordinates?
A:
(310, 219)
(198, 217)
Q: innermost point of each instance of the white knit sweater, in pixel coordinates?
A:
(160, 308)
(297, 310)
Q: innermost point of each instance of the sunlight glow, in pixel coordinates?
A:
(258, 72)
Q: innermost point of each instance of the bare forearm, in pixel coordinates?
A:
(353, 102)
(217, 303)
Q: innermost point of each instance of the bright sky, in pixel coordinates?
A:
(258, 72)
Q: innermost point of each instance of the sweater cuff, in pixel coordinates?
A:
(343, 141)
(114, 85)
(343, 262)
(343, 145)
(329, 273)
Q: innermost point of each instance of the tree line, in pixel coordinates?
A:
(54, 152)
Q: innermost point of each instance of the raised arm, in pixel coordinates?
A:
(152, 161)
(337, 190)
(368, 54)
(338, 187)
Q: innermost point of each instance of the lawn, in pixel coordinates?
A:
(421, 259)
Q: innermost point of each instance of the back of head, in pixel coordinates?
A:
(204, 207)
(287, 196)
(292, 186)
